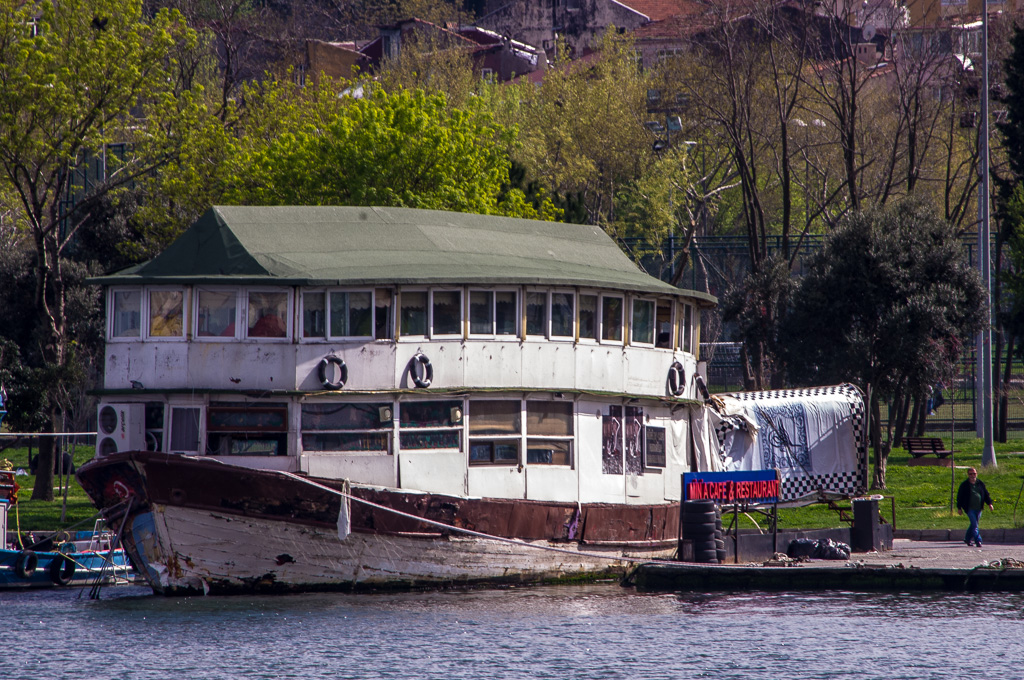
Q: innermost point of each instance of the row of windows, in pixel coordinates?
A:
(157, 312)
(501, 432)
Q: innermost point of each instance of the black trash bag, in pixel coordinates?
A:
(801, 547)
(823, 549)
(827, 549)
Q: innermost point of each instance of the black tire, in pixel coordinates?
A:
(62, 570)
(705, 556)
(719, 544)
(25, 564)
(699, 535)
(699, 506)
(697, 522)
(703, 546)
(702, 517)
(722, 556)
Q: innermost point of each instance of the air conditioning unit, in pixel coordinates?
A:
(121, 427)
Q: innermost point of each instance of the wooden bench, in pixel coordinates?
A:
(919, 447)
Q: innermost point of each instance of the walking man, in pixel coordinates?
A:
(971, 498)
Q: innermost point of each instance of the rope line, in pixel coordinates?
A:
(479, 534)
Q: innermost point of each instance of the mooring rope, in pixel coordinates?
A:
(479, 534)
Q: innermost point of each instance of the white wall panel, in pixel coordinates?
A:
(548, 364)
(445, 357)
(551, 483)
(371, 366)
(595, 486)
(599, 368)
(365, 469)
(646, 371)
(497, 481)
(439, 472)
(493, 364)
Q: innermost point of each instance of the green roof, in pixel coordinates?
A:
(346, 246)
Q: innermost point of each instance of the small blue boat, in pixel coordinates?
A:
(85, 558)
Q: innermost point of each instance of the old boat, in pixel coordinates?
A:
(302, 398)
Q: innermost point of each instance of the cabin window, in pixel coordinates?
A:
(351, 314)
(563, 314)
(216, 312)
(506, 313)
(495, 429)
(184, 429)
(663, 324)
(537, 314)
(166, 313)
(611, 319)
(549, 432)
(383, 326)
(246, 429)
(686, 329)
(642, 327)
(481, 312)
(314, 315)
(446, 312)
(492, 313)
(359, 428)
(588, 317)
(413, 312)
(430, 425)
(126, 314)
(267, 315)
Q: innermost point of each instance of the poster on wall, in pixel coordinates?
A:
(634, 440)
(611, 441)
(654, 447)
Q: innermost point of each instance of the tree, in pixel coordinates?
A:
(71, 73)
(888, 303)
(405, 149)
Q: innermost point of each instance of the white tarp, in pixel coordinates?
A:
(814, 437)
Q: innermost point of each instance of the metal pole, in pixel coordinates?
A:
(988, 455)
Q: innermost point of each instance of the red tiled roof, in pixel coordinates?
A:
(657, 10)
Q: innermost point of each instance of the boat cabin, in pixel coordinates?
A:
(462, 354)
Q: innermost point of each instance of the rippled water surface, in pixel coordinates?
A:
(595, 631)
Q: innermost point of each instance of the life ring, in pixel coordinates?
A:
(62, 570)
(25, 564)
(421, 371)
(676, 379)
(325, 365)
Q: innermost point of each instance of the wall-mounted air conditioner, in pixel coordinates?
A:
(121, 427)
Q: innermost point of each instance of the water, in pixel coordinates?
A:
(594, 631)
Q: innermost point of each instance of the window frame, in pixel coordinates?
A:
(281, 433)
(621, 297)
(288, 313)
(239, 315)
(398, 314)
(386, 427)
(570, 438)
(546, 333)
(492, 439)
(143, 314)
(493, 335)
(458, 428)
(185, 313)
(432, 334)
(596, 340)
(634, 302)
(685, 328)
(551, 315)
(328, 314)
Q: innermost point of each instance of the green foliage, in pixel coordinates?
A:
(888, 302)
(406, 149)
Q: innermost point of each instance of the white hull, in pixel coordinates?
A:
(185, 549)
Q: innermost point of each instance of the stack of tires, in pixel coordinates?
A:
(702, 527)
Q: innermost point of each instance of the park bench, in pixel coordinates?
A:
(919, 447)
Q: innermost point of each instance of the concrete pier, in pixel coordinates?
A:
(910, 566)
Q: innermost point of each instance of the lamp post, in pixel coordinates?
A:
(988, 454)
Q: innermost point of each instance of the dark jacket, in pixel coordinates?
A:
(963, 494)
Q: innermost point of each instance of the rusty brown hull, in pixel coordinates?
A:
(198, 525)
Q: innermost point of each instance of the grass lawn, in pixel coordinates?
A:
(922, 494)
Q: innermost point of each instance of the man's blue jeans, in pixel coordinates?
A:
(972, 531)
